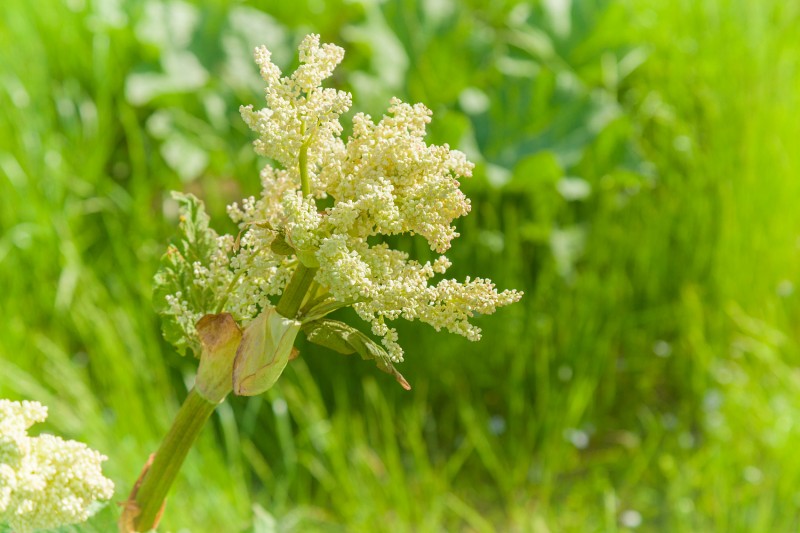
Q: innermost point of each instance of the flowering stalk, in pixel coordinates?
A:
(302, 158)
(296, 291)
(215, 292)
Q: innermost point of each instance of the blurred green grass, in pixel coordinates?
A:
(636, 176)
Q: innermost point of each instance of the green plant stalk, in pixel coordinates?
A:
(305, 186)
(196, 409)
(295, 291)
(188, 423)
(302, 161)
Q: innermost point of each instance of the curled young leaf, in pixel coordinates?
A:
(316, 309)
(195, 243)
(308, 258)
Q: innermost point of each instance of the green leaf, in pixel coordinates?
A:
(534, 173)
(317, 309)
(346, 339)
(280, 246)
(330, 334)
(195, 242)
(308, 258)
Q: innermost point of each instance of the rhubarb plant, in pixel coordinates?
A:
(311, 243)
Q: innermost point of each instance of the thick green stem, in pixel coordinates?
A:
(190, 420)
(296, 290)
(302, 161)
(305, 185)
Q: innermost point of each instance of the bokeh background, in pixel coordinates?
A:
(638, 176)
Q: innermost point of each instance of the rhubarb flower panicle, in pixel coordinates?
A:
(300, 114)
(45, 481)
(383, 180)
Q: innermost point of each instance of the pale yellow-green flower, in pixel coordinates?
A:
(45, 481)
(384, 180)
(299, 111)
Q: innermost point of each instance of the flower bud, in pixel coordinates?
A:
(265, 350)
(220, 337)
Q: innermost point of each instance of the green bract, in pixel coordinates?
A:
(221, 338)
(265, 350)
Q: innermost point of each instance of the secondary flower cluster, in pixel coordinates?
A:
(45, 481)
(385, 180)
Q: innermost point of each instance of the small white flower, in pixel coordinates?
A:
(45, 481)
(302, 221)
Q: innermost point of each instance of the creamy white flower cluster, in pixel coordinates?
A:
(45, 481)
(385, 180)
(299, 112)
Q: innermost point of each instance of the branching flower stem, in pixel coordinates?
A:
(296, 290)
(305, 185)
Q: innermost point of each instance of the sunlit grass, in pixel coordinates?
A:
(650, 373)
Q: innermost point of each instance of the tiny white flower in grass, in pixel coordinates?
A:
(631, 518)
(45, 481)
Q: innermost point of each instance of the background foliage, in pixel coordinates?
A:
(637, 176)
